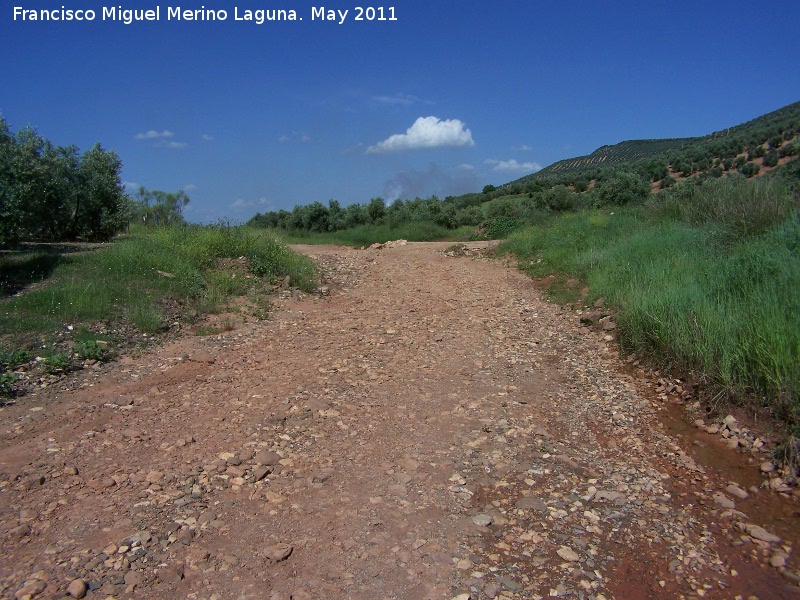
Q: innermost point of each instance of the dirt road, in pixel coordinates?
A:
(426, 429)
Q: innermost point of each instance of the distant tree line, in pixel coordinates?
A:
(55, 193)
(317, 217)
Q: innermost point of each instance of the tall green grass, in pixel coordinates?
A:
(133, 278)
(709, 281)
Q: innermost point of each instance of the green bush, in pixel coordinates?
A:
(789, 149)
(472, 216)
(58, 363)
(749, 169)
(7, 381)
(500, 227)
(770, 159)
(12, 359)
(621, 189)
(90, 350)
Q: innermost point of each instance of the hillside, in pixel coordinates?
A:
(624, 152)
(761, 142)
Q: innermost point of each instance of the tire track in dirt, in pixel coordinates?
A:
(429, 429)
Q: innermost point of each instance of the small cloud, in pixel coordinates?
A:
(153, 135)
(207, 137)
(465, 167)
(522, 148)
(294, 135)
(173, 145)
(130, 185)
(398, 99)
(513, 166)
(189, 188)
(427, 133)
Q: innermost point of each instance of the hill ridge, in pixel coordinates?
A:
(747, 135)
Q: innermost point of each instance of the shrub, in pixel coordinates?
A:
(558, 198)
(621, 189)
(7, 381)
(770, 159)
(776, 142)
(91, 350)
(789, 149)
(500, 227)
(471, 215)
(756, 152)
(749, 169)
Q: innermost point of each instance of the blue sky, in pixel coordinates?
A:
(453, 95)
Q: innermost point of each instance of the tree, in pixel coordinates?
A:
(447, 216)
(317, 217)
(53, 193)
(157, 208)
(376, 210)
(620, 189)
(102, 209)
(10, 230)
(770, 159)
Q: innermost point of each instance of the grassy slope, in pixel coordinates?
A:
(134, 279)
(696, 289)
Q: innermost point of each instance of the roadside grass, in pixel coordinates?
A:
(708, 287)
(139, 281)
(366, 235)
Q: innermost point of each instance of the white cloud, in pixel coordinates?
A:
(427, 132)
(189, 188)
(283, 138)
(130, 185)
(523, 148)
(207, 137)
(465, 167)
(513, 165)
(153, 134)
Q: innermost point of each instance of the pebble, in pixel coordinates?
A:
(735, 490)
(760, 533)
(77, 588)
(568, 554)
(482, 520)
(278, 552)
